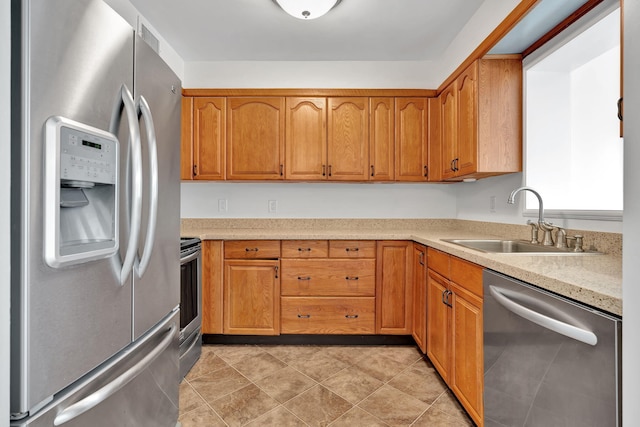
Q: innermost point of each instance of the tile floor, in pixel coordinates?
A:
(284, 385)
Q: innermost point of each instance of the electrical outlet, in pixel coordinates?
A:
(273, 206)
(222, 205)
(492, 203)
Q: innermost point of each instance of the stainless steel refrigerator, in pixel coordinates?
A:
(95, 220)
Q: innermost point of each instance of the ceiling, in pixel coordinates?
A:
(355, 30)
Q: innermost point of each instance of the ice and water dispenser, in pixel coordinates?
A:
(81, 193)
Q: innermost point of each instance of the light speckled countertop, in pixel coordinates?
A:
(595, 280)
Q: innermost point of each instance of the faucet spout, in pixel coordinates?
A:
(512, 199)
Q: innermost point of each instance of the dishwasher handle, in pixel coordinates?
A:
(547, 322)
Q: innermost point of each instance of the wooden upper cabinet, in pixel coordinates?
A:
(411, 139)
(348, 139)
(482, 119)
(306, 139)
(382, 139)
(209, 130)
(255, 138)
(434, 138)
(186, 139)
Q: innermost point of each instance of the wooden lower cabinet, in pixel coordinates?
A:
(251, 297)
(212, 287)
(419, 310)
(394, 289)
(328, 315)
(454, 328)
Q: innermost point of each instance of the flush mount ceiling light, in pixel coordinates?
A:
(307, 9)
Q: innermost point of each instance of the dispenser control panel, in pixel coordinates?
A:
(87, 156)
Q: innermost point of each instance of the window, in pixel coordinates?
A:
(573, 148)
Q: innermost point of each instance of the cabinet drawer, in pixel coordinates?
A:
(305, 248)
(252, 249)
(438, 261)
(352, 249)
(355, 315)
(328, 277)
(467, 275)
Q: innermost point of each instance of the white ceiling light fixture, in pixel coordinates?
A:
(307, 9)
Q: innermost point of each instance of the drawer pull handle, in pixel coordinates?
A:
(304, 278)
(351, 316)
(352, 249)
(304, 249)
(251, 249)
(352, 278)
(304, 316)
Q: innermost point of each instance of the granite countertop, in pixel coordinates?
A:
(595, 280)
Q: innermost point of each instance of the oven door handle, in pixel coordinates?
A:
(190, 257)
(547, 322)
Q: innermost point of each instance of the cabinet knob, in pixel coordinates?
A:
(352, 278)
(304, 249)
(304, 316)
(352, 249)
(372, 170)
(304, 278)
(351, 316)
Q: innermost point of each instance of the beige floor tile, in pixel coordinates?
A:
(244, 405)
(318, 366)
(448, 404)
(218, 383)
(201, 417)
(287, 353)
(259, 366)
(348, 354)
(285, 384)
(208, 362)
(356, 417)
(426, 386)
(352, 384)
(393, 406)
(189, 399)
(380, 367)
(436, 418)
(318, 406)
(232, 354)
(406, 355)
(279, 417)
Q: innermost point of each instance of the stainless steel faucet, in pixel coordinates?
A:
(545, 226)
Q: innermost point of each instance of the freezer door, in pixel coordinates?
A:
(75, 57)
(138, 388)
(156, 288)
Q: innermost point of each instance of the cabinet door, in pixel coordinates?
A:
(255, 138)
(251, 297)
(449, 130)
(394, 287)
(467, 370)
(467, 123)
(212, 294)
(434, 139)
(411, 139)
(419, 324)
(306, 140)
(209, 123)
(438, 323)
(348, 139)
(186, 139)
(381, 139)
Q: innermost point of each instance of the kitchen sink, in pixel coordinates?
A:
(514, 247)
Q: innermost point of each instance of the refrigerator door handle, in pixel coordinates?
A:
(142, 107)
(125, 99)
(547, 322)
(103, 393)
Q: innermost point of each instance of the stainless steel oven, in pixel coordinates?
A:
(190, 303)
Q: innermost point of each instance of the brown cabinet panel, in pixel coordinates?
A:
(382, 139)
(252, 249)
(251, 297)
(435, 140)
(322, 315)
(255, 138)
(466, 274)
(394, 287)
(209, 138)
(212, 294)
(419, 323)
(438, 318)
(438, 261)
(352, 249)
(411, 139)
(449, 119)
(305, 248)
(306, 139)
(467, 152)
(348, 139)
(334, 277)
(186, 139)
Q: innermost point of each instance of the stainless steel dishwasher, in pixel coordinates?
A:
(548, 361)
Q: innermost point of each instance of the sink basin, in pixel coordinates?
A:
(513, 247)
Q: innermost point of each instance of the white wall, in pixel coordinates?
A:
(631, 245)
(318, 200)
(5, 189)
